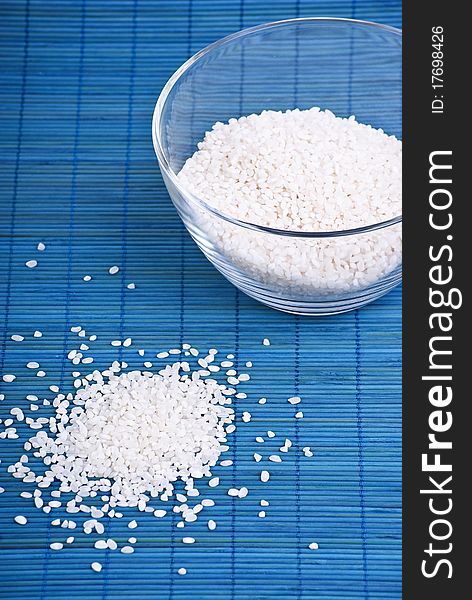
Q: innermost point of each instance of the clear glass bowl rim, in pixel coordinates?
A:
(187, 194)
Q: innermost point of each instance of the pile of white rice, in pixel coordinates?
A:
(301, 171)
(136, 433)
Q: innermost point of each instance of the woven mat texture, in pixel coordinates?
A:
(79, 79)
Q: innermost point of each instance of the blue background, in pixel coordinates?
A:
(79, 82)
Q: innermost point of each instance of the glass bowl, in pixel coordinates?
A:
(349, 67)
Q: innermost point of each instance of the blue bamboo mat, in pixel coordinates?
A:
(79, 81)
